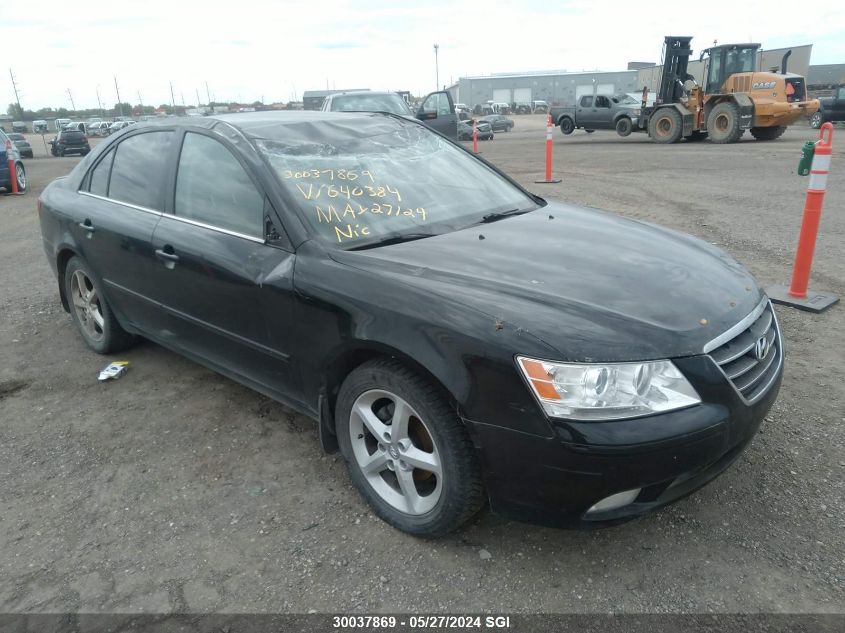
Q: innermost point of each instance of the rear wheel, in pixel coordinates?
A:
(665, 126)
(624, 126)
(768, 133)
(816, 120)
(723, 123)
(567, 126)
(407, 451)
(90, 311)
(20, 176)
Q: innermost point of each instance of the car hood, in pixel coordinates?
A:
(592, 285)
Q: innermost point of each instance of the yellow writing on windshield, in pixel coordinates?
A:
(340, 218)
(331, 174)
(323, 190)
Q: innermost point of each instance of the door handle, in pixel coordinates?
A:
(167, 256)
(87, 226)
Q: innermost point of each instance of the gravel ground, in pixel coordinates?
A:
(177, 490)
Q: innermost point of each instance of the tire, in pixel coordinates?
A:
(624, 126)
(768, 133)
(665, 126)
(20, 176)
(723, 123)
(432, 433)
(816, 120)
(567, 126)
(90, 312)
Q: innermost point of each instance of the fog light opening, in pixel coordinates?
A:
(613, 502)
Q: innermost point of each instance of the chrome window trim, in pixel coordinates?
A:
(739, 327)
(120, 202)
(203, 225)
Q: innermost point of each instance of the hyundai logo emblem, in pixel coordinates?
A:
(761, 348)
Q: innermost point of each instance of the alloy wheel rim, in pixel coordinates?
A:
(396, 452)
(86, 303)
(21, 175)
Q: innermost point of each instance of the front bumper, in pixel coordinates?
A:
(556, 480)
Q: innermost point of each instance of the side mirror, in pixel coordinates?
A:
(427, 115)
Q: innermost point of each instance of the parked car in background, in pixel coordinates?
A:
(436, 110)
(539, 106)
(521, 108)
(600, 112)
(40, 126)
(498, 122)
(573, 367)
(118, 125)
(480, 109)
(8, 151)
(99, 128)
(24, 148)
(60, 123)
(69, 141)
(485, 132)
(463, 111)
(20, 127)
(76, 125)
(830, 109)
(500, 107)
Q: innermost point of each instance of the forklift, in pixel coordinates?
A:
(735, 97)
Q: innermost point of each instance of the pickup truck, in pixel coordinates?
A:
(600, 112)
(830, 109)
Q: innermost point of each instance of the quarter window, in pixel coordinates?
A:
(100, 175)
(137, 175)
(212, 187)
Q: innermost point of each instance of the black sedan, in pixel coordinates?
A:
(484, 131)
(24, 148)
(498, 122)
(461, 340)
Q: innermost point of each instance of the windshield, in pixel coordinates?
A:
(625, 100)
(370, 103)
(363, 181)
(17, 137)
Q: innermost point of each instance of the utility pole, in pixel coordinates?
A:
(172, 98)
(119, 102)
(100, 103)
(198, 97)
(207, 93)
(437, 66)
(72, 104)
(17, 98)
(182, 94)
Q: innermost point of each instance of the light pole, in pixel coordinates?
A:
(100, 103)
(436, 67)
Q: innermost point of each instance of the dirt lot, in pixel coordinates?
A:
(174, 489)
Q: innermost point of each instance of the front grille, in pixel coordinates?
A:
(739, 357)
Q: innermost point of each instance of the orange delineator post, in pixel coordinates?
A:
(797, 295)
(474, 137)
(549, 127)
(13, 176)
(812, 214)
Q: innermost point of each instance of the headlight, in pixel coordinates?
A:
(636, 112)
(608, 391)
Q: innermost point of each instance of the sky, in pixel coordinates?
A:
(248, 50)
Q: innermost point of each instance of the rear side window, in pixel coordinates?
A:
(212, 187)
(586, 102)
(100, 176)
(72, 135)
(137, 175)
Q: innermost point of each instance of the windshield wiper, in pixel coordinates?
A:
(492, 217)
(391, 239)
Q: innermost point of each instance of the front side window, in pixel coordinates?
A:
(100, 176)
(213, 188)
(602, 102)
(137, 175)
(437, 102)
(384, 178)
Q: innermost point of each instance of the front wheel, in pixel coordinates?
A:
(816, 120)
(665, 126)
(407, 451)
(567, 126)
(624, 126)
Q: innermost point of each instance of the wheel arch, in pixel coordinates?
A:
(64, 255)
(344, 362)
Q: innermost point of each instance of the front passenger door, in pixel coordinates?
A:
(438, 112)
(227, 290)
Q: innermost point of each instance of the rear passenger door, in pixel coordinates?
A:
(437, 111)
(120, 202)
(226, 286)
(585, 112)
(603, 112)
